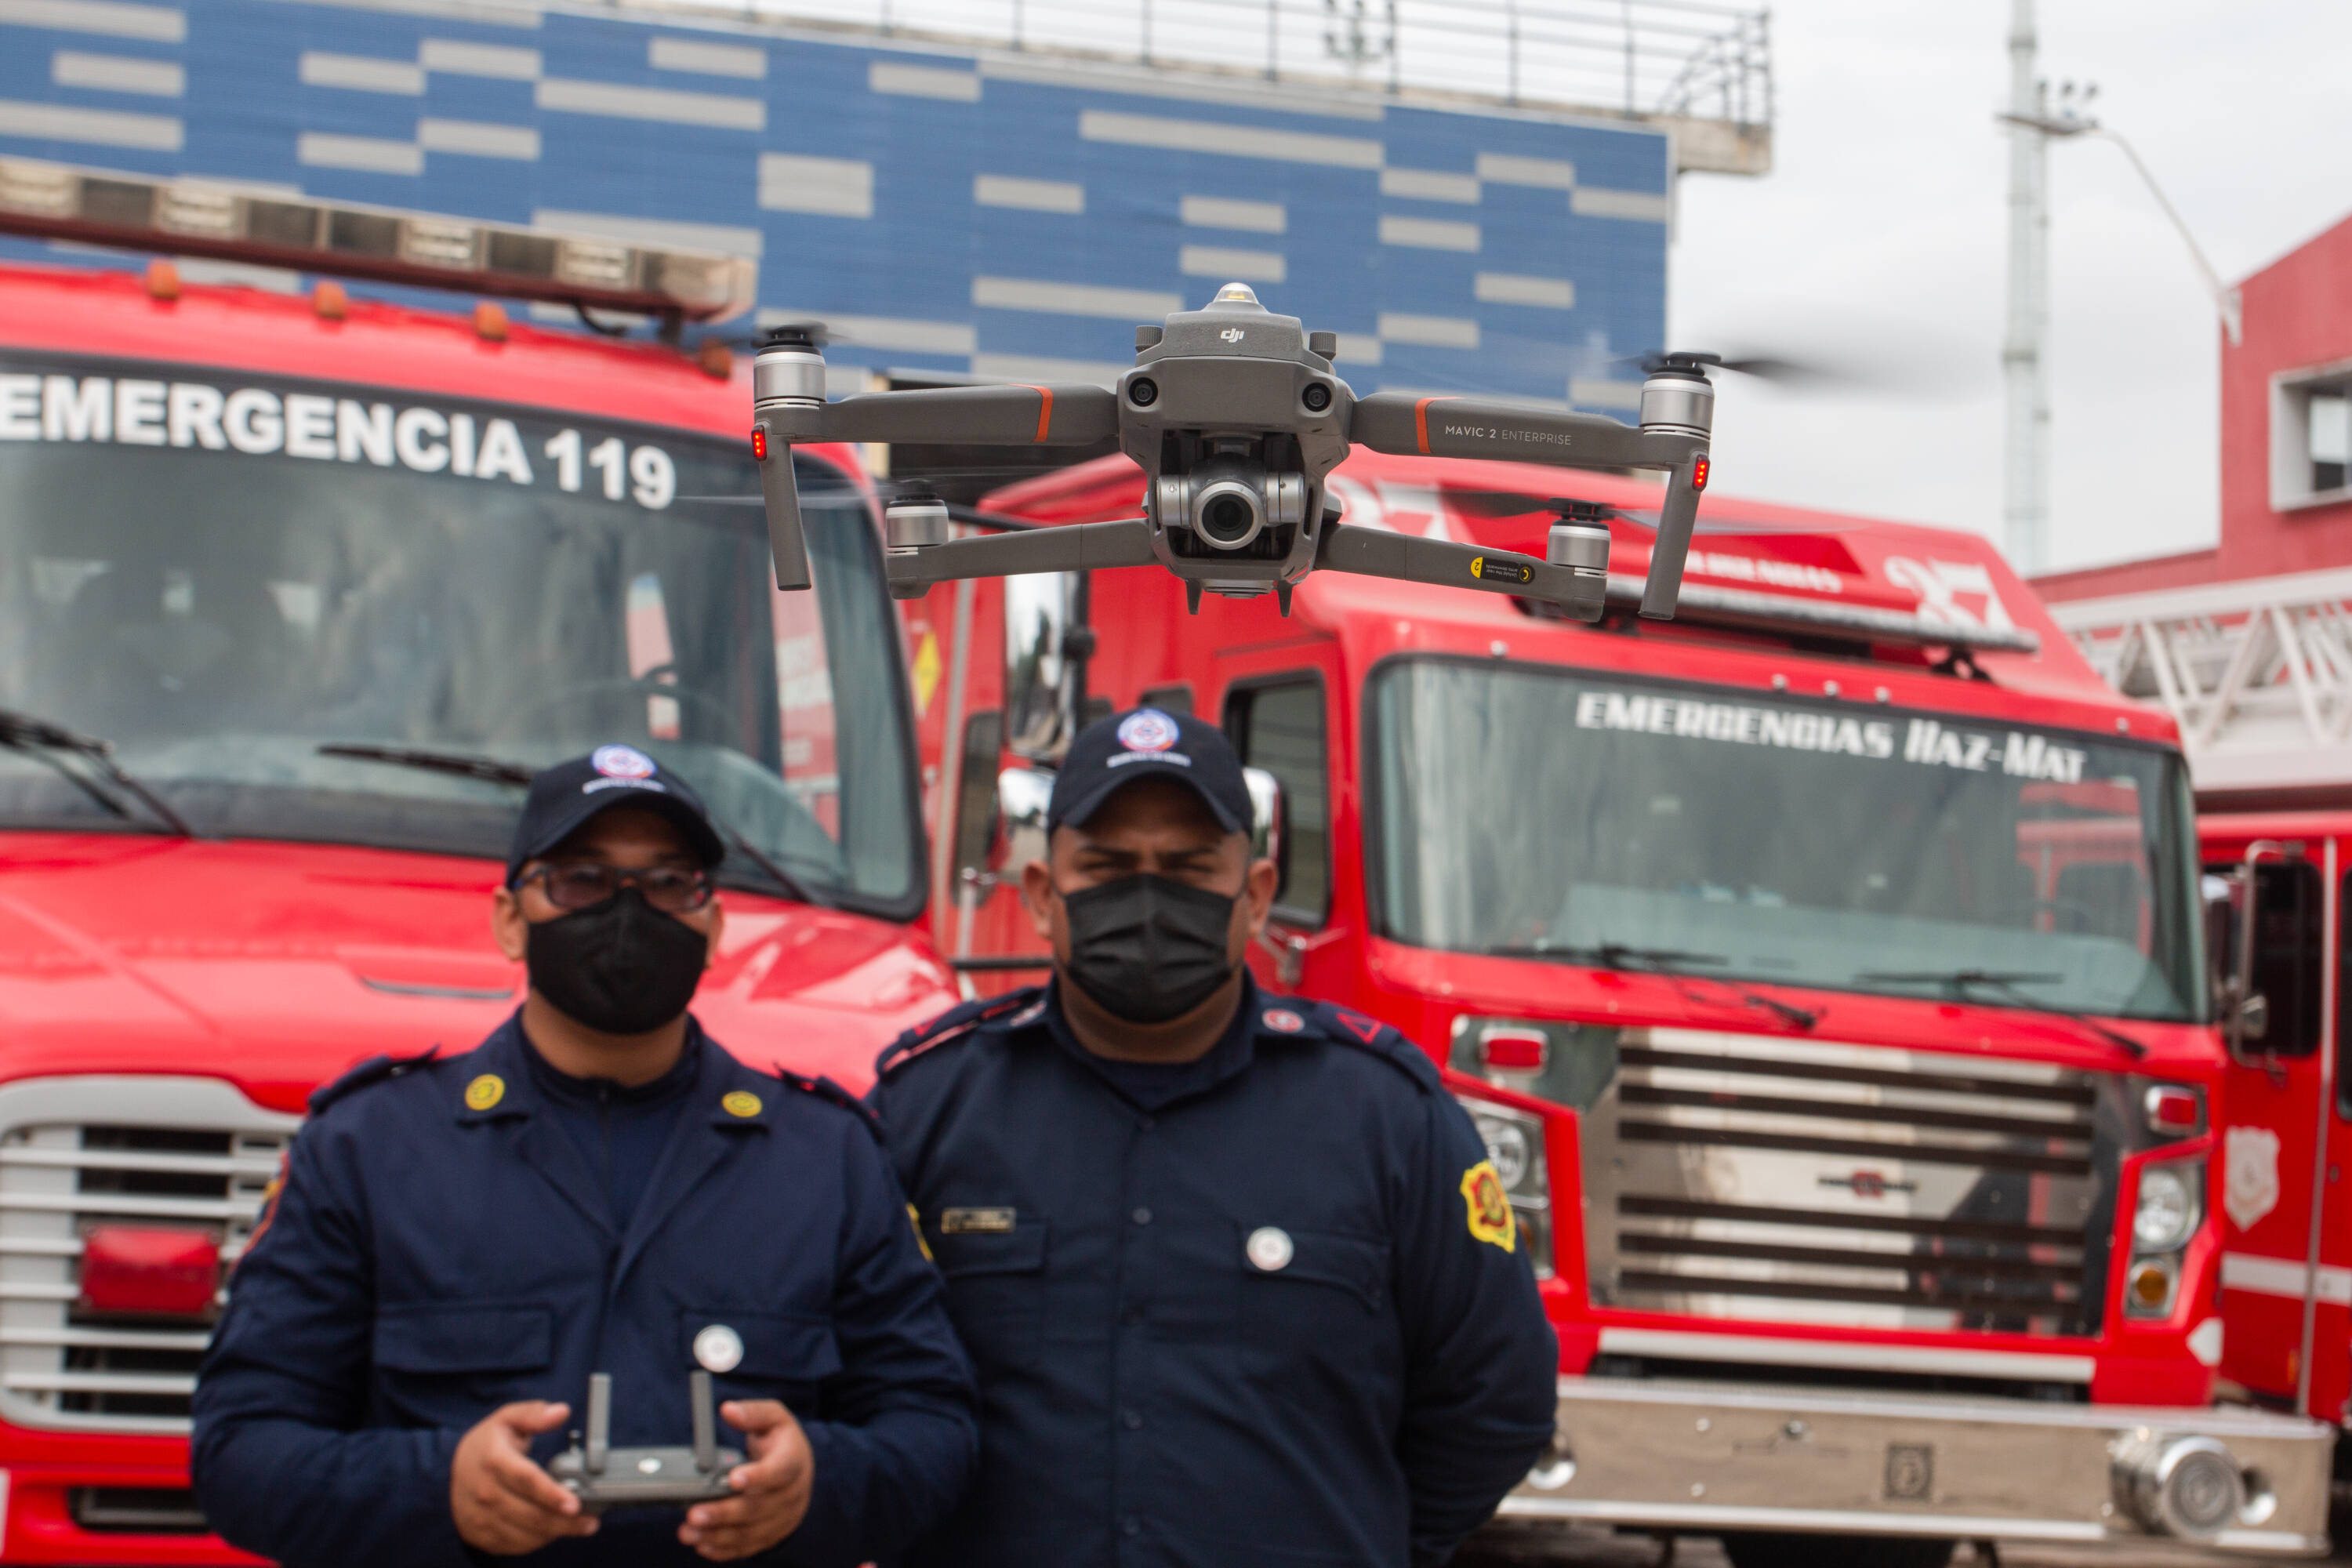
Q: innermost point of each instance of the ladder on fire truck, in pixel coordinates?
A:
(2257, 672)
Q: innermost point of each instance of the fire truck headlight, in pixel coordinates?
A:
(1515, 1142)
(2168, 1207)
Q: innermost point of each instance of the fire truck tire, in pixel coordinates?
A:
(1777, 1551)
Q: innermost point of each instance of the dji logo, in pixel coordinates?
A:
(1231, 334)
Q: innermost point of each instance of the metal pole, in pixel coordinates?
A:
(1511, 12)
(2225, 298)
(1627, 9)
(2025, 453)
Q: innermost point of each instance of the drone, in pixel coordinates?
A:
(1237, 419)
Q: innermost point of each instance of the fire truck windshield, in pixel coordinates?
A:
(1846, 846)
(222, 574)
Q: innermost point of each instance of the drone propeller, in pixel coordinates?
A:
(1785, 370)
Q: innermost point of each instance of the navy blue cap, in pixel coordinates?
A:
(565, 796)
(1150, 743)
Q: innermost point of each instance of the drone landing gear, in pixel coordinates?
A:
(604, 1476)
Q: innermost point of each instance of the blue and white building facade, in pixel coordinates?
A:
(974, 212)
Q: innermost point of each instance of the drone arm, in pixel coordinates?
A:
(1377, 552)
(787, 540)
(970, 417)
(1076, 547)
(1484, 428)
(1511, 432)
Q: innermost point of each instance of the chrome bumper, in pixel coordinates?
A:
(1706, 1458)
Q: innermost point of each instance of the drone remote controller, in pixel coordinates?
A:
(604, 1476)
(1237, 419)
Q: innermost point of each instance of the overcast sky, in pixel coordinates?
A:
(1884, 227)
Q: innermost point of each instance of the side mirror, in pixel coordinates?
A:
(2245, 1012)
(2250, 1018)
(1268, 815)
(1022, 797)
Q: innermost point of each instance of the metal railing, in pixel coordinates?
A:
(1695, 59)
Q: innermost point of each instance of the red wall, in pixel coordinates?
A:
(2297, 313)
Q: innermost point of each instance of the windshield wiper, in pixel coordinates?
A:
(1662, 960)
(492, 771)
(39, 738)
(2010, 983)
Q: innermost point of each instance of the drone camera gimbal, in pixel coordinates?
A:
(1237, 418)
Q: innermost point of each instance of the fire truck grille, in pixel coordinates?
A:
(1740, 1177)
(77, 1154)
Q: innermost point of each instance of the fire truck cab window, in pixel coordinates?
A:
(2290, 952)
(1544, 813)
(359, 567)
(1279, 727)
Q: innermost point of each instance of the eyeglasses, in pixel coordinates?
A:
(585, 884)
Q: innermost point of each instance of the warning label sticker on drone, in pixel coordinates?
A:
(1492, 571)
(1928, 741)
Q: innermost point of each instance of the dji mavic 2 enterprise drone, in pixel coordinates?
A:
(1237, 419)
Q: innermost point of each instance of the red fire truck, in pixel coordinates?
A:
(2286, 1260)
(1825, 968)
(290, 585)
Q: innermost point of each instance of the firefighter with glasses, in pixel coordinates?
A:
(459, 1242)
(1238, 1279)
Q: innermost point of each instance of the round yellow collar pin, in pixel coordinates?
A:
(740, 1102)
(484, 1092)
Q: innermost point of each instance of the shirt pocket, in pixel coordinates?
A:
(1329, 1303)
(996, 1293)
(786, 1356)
(448, 1363)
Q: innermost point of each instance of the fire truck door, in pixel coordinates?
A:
(2276, 1103)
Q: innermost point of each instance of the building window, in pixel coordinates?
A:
(2311, 438)
(2330, 420)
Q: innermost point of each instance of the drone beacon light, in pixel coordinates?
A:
(1237, 419)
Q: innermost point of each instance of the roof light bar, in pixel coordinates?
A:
(193, 217)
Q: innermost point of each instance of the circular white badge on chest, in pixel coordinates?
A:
(719, 1349)
(1269, 1247)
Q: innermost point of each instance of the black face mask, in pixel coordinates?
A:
(621, 967)
(1146, 949)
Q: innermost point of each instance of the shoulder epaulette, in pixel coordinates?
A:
(825, 1088)
(954, 1024)
(375, 1069)
(1368, 1034)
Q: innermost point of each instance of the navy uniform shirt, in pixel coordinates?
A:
(442, 1245)
(1235, 1313)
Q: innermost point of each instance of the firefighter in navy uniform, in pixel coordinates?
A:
(1237, 1278)
(459, 1242)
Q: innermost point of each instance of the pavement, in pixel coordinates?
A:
(1703, 1552)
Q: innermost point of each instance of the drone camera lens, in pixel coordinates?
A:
(1143, 392)
(1226, 518)
(1318, 397)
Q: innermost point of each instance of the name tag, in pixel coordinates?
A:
(976, 1221)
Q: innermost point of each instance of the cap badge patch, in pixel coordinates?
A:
(1490, 1206)
(739, 1102)
(484, 1092)
(621, 762)
(1148, 730)
(1284, 1020)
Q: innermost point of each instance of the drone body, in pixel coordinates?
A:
(1237, 419)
